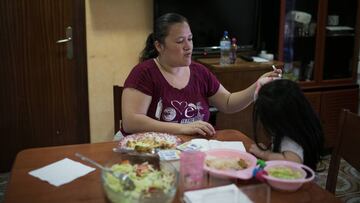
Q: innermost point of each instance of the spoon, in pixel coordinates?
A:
(125, 179)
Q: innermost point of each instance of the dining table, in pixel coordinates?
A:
(23, 187)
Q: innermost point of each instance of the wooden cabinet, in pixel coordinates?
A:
(328, 104)
(319, 45)
(238, 76)
(332, 103)
(319, 41)
(315, 100)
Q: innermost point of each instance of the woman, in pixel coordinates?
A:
(168, 92)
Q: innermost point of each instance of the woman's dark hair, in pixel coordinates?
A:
(161, 30)
(283, 110)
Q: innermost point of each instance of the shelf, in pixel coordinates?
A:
(340, 34)
(335, 31)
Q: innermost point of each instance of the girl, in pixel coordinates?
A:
(289, 120)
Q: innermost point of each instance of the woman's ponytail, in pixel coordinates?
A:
(149, 51)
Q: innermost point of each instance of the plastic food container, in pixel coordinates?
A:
(244, 174)
(286, 184)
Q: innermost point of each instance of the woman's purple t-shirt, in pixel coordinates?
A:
(170, 104)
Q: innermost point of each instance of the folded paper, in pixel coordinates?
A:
(61, 172)
(228, 194)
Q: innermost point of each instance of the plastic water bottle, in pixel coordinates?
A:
(233, 50)
(225, 45)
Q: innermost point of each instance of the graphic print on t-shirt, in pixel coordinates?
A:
(169, 114)
(158, 109)
(189, 112)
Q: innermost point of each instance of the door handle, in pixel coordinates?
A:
(69, 43)
(63, 40)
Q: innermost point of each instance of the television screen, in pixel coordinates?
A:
(209, 19)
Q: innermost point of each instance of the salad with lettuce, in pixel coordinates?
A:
(146, 178)
(283, 172)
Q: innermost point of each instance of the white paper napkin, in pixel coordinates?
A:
(228, 194)
(61, 172)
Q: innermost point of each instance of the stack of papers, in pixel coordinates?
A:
(199, 145)
(205, 145)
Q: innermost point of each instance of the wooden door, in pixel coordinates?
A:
(44, 94)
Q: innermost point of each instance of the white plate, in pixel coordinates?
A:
(157, 137)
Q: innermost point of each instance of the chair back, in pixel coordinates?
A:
(347, 147)
(117, 93)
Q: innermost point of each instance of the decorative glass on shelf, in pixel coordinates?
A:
(300, 39)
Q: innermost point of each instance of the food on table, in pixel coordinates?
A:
(146, 142)
(147, 180)
(284, 172)
(226, 163)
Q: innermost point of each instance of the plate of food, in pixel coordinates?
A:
(230, 163)
(147, 142)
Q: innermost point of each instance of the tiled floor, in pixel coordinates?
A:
(348, 184)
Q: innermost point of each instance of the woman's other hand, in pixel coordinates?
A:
(198, 127)
(262, 154)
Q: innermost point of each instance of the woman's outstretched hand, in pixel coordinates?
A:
(276, 73)
(267, 77)
(198, 127)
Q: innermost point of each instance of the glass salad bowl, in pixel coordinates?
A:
(154, 181)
